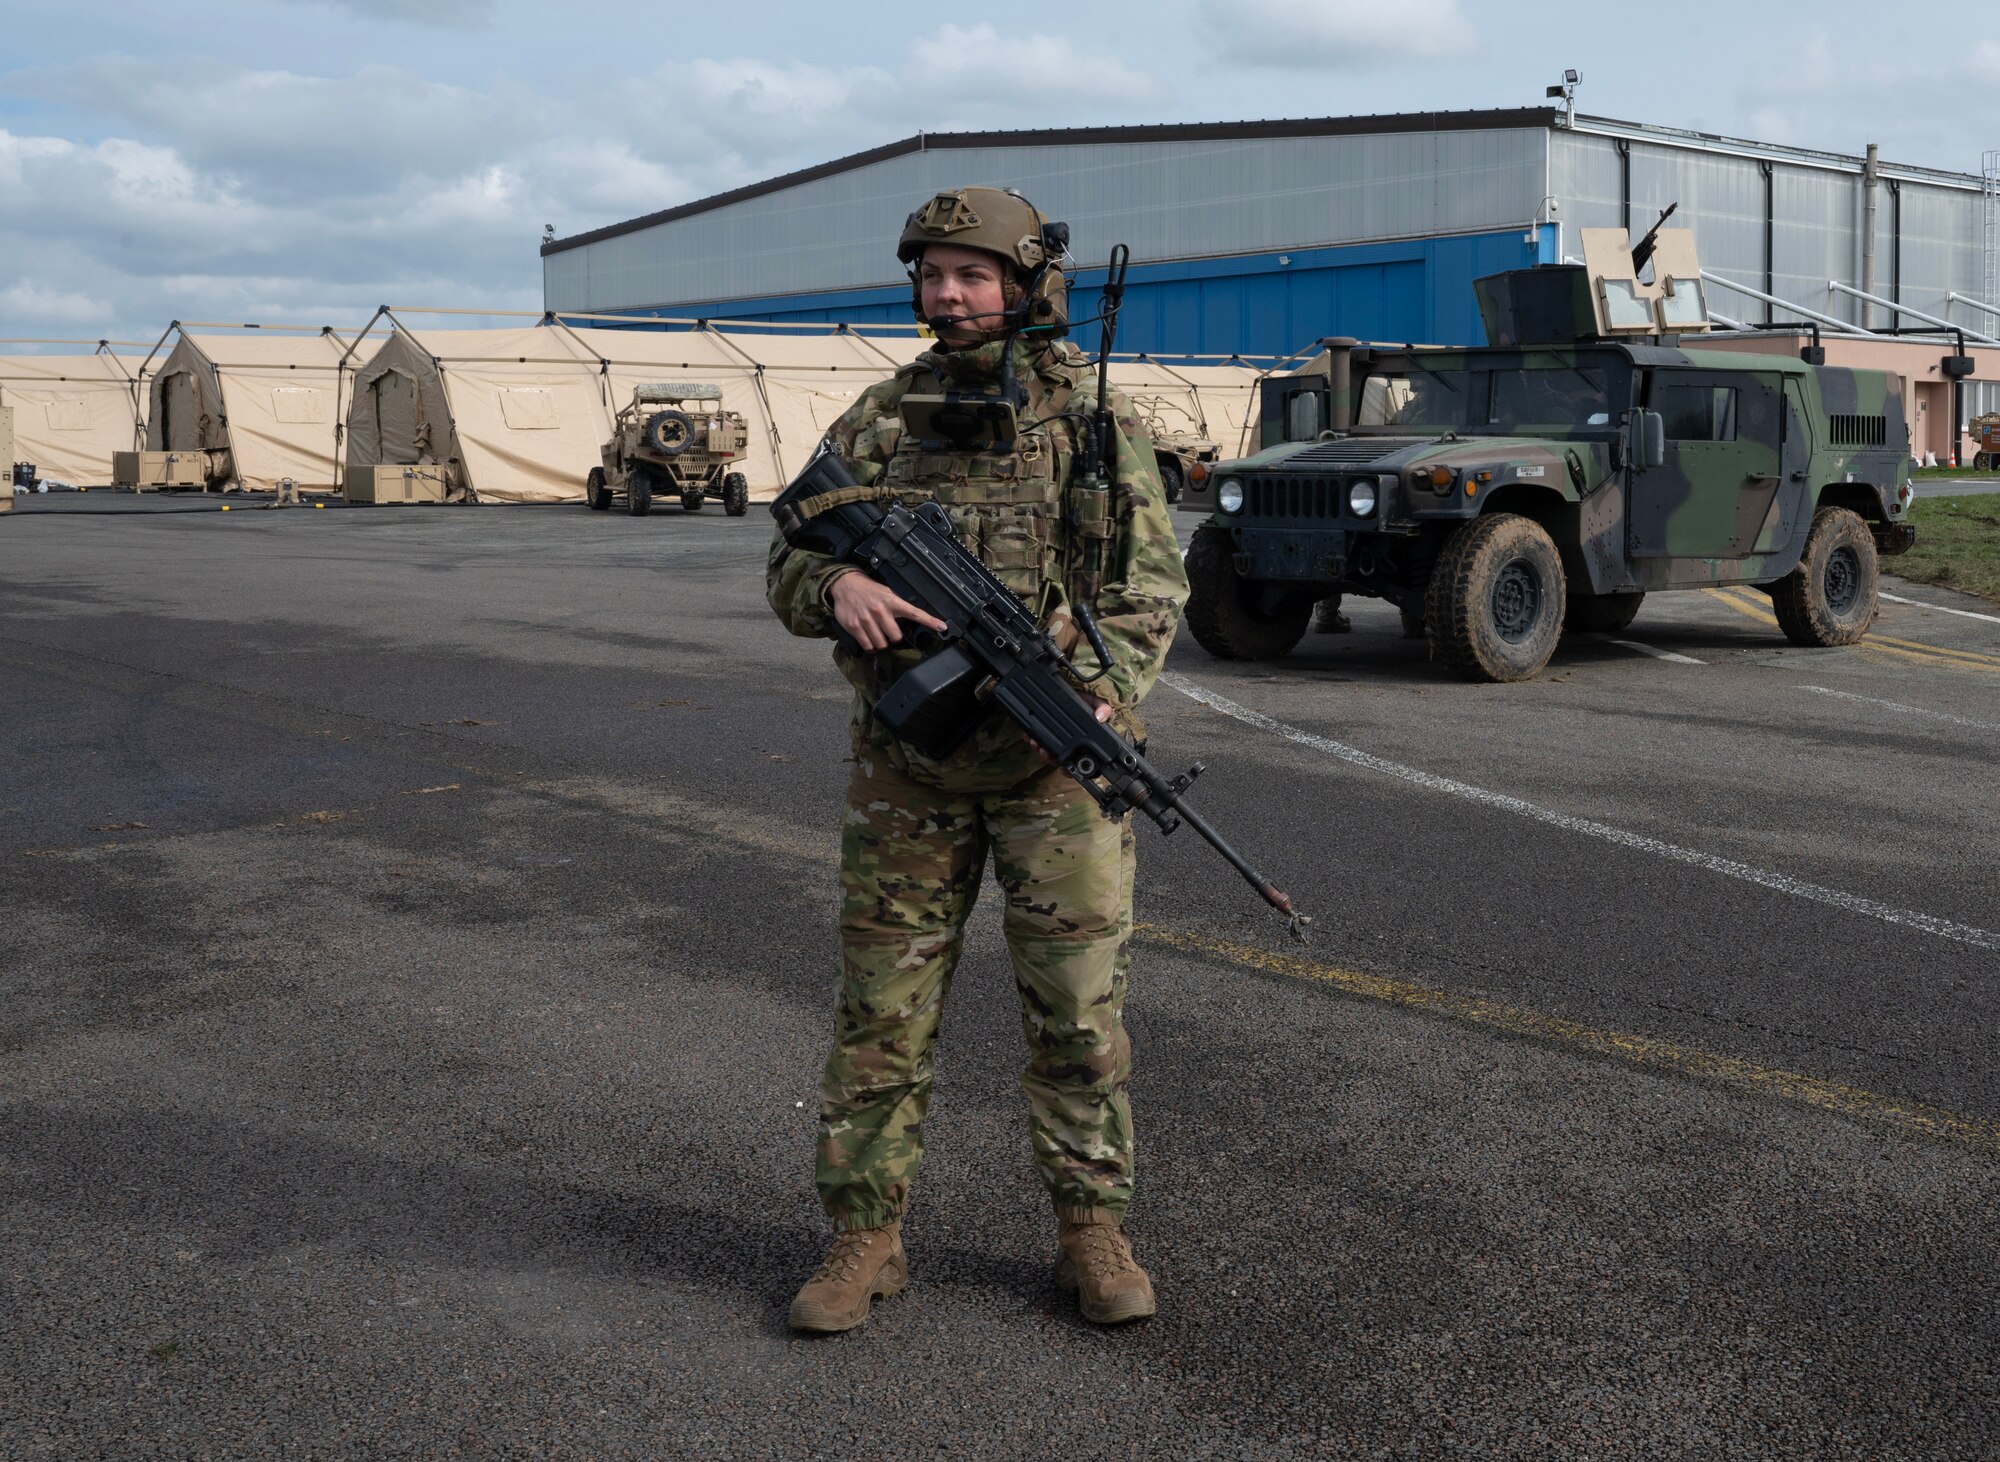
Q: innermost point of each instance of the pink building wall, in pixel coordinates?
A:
(1926, 389)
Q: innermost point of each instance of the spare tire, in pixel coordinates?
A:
(668, 432)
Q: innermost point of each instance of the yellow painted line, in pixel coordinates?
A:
(1974, 657)
(1982, 1134)
(1913, 657)
(1901, 657)
(1755, 611)
(1753, 605)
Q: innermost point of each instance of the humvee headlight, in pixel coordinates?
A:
(1361, 498)
(1229, 495)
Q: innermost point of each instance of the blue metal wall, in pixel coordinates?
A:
(1250, 305)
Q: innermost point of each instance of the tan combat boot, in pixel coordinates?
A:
(861, 1266)
(1097, 1263)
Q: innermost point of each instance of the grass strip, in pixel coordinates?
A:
(1958, 545)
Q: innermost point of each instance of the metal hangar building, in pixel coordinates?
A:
(1258, 238)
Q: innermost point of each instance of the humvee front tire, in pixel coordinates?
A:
(1172, 476)
(596, 491)
(639, 492)
(1829, 599)
(735, 494)
(1602, 614)
(1494, 608)
(1233, 619)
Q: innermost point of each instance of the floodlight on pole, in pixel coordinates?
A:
(1566, 94)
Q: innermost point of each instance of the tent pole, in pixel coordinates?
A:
(175, 325)
(888, 359)
(455, 449)
(763, 395)
(603, 367)
(132, 390)
(339, 418)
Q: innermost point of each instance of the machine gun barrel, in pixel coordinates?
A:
(1642, 252)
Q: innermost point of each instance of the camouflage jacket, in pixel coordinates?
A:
(1020, 512)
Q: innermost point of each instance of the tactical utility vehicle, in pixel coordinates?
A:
(1176, 448)
(665, 442)
(1501, 494)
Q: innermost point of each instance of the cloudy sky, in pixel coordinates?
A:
(303, 161)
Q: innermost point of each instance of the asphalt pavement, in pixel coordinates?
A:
(416, 940)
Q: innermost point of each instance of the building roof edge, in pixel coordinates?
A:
(1493, 119)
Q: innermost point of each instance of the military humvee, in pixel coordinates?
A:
(656, 448)
(1501, 494)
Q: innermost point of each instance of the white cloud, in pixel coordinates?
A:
(1335, 33)
(28, 301)
(411, 12)
(973, 69)
(256, 193)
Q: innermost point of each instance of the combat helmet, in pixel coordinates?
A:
(999, 221)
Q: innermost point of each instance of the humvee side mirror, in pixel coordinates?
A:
(1652, 440)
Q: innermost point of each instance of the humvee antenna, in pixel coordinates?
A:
(1101, 448)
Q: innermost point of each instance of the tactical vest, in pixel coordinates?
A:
(1010, 507)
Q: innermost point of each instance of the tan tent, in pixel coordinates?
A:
(271, 399)
(519, 413)
(1209, 400)
(71, 412)
(523, 412)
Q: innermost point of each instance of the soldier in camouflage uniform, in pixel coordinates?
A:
(918, 832)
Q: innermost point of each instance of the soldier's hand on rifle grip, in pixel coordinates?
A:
(868, 610)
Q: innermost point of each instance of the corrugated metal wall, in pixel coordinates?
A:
(1168, 200)
(1817, 216)
(1380, 236)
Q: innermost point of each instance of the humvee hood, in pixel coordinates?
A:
(1397, 453)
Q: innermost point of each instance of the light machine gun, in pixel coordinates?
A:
(992, 653)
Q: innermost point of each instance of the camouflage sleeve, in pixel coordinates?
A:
(1138, 604)
(795, 580)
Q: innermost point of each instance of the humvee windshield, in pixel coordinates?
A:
(1495, 396)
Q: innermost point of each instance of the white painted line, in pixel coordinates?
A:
(1940, 608)
(1728, 868)
(1899, 706)
(1645, 649)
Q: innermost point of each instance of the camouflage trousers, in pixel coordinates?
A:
(913, 858)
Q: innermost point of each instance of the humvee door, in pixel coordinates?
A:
(1714, 495)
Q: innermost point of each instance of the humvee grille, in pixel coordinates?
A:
(1293, 497)
(1858, 431)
